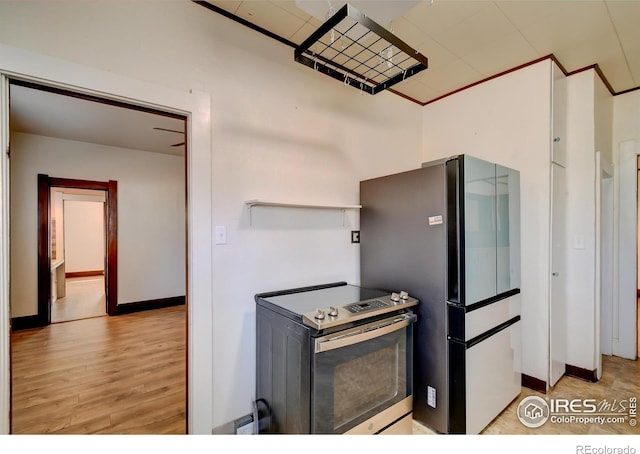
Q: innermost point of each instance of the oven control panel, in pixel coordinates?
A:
(365, 306)
(330, 316)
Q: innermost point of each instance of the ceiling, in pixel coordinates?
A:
(52, 114)
(467, 41)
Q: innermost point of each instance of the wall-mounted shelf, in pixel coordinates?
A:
(274, 203)
(258, 202)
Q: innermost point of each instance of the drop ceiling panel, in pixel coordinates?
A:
(438, 55)
(407, 32)
(227, 5)
(380, 11)
(624, 13)
(502, 54)
(572, 24)
(459, 74)
(291, 7)
(270, 17)
(524, 13)
(631, 49)
(475, 32)
(303, 33)
(416, 89)
(618, 76)
(625, 16)
(439, 16)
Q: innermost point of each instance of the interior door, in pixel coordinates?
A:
(558, 279)
(5, 377)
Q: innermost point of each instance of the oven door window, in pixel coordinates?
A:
(357, 381)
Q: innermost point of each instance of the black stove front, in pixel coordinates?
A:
(334, 359)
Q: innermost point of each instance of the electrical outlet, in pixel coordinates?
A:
(244, 425)
(246, 429)
(355, 236)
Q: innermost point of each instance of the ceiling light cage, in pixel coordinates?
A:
(357, 51)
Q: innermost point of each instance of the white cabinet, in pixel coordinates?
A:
(558, 117)
(558, 252)
(494, 365)
(57, 280)
(558, 279)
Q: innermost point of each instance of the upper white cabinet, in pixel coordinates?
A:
(558, 116)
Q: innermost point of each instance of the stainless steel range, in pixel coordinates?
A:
(334, 359)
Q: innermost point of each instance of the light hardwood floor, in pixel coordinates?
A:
(127, 375)
(106, 375)
(85, 298)
(620, 380)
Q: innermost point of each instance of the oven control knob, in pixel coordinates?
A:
(333, 311)
(319, 314)
(395, 297)
(404, 296)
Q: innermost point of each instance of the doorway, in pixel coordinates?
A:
(129, 163)
(77, 250)
(196, 106)
(52, 272)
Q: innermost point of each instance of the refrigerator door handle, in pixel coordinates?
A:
(455, 230)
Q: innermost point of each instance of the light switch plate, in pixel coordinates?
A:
(578, 241)
(221, 234)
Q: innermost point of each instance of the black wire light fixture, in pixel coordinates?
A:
(352, 48)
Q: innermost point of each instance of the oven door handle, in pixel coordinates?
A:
(367, 332)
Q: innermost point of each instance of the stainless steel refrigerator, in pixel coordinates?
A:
(449, 235)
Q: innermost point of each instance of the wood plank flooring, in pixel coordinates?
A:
(620, 381)
(85, 298)
(127, 375)
(104, 375)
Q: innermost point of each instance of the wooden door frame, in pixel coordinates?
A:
(197, 106)
(45, 183)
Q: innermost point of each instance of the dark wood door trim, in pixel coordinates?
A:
(44, 255)
(45, 183)
(111, 269)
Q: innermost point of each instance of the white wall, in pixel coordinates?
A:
(604, 120)
(84, 236)
(151, 235)
(280, 131)
(507, 120)
(589, 128)
(626, 113)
